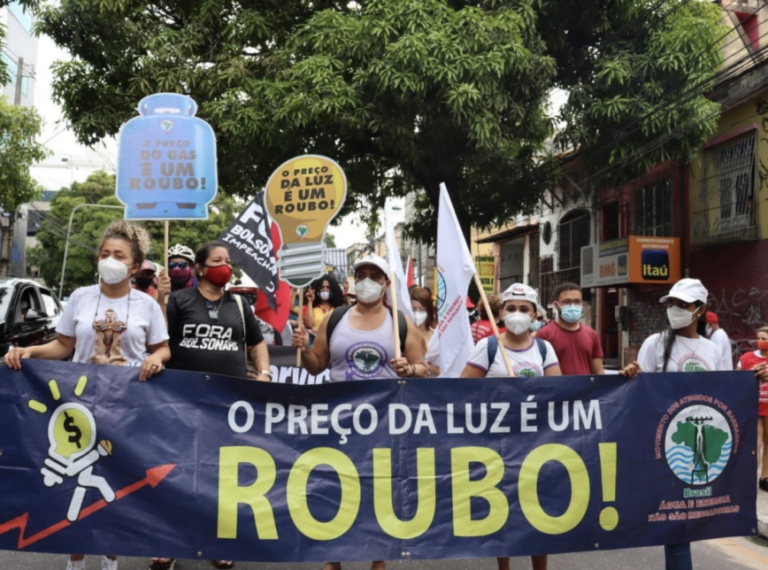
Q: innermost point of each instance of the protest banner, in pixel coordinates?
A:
(166, 162)
(205, 466)
(249, 242)
(486, 270)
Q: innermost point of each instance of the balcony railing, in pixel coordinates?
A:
(724, 223)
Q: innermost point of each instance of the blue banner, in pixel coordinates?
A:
(191, 465)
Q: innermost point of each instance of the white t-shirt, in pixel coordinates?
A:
(688, 355)
(720, 338)
(126, 326)
(526, 362)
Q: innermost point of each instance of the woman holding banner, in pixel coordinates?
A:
(530, 357)
(109, 323)
(425, 319)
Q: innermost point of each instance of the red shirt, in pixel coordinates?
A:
(575, 349)
(481, 329)
(748, 361)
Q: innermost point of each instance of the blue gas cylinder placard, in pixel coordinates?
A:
(166, 165)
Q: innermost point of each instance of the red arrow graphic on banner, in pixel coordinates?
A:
(153, 478)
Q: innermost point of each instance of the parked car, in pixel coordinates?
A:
(29, 314)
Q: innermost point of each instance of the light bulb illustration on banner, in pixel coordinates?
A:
(303, 195)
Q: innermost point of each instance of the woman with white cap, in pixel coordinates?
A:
(530, 357)
(680, 348)
(358, 342)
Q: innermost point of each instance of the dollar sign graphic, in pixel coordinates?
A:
(74, 432)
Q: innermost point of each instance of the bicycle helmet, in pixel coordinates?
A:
(179, 250)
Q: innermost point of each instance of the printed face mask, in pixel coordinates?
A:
(368, 291)
(419, 317)
(112, 271)
(679, 318)
(571, 313)
(325, 295)
(517, 322)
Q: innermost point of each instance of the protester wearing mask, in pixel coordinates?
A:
(358, 342)
(577, 345)
(425, 319)
(109, 323)
(213, 331)
(324, 295)
(145, 279)
(752, 360)
(181, 267)
(680, 348)
(482, 328)
(719, 337)
(530, 357)
(539, 320)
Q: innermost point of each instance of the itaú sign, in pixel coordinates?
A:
(633, 259)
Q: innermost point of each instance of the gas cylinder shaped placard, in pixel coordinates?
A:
(166, 167)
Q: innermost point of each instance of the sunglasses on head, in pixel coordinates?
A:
(178, 265)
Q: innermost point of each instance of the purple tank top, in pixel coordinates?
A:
(362, 355)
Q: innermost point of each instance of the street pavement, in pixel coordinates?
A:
(718, 554)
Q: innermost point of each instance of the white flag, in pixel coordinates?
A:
(396, 263)
(455, 270)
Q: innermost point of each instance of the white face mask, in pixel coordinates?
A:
(325, 295)
(419, 317)
(112, 271)
(709, 330)
(679, 318)
(368, 291)
(517, 322)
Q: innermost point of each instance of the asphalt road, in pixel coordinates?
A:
(724, 553)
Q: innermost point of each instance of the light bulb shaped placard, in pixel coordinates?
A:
(303, 195)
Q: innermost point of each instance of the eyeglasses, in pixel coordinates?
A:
(178, 264)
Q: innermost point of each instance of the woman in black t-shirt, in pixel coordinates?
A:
(213, 331)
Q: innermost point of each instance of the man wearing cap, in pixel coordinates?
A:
(577, 345)
(144, 280)
(720, 338)
(362, 340)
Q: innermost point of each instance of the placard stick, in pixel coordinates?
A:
(488, 312)
(301, 323)
(392, 282)
(165, 253)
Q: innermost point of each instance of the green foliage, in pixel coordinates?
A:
(19, 128)
(89, 223)
(405, 94)
(329, 240)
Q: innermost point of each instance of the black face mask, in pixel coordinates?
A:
(144, 282)
(500, 324)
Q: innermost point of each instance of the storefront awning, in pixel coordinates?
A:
(516, 232)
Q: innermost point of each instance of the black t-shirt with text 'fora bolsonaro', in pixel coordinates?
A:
(201, 343)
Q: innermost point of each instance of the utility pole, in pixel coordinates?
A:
(7, 222)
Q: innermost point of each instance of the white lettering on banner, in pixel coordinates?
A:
(478, 418)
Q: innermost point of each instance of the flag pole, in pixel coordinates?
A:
(165, 253)
(496, 333)
(396, 319)
(301, 324)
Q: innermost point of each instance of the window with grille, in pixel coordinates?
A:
(572, 233)
(653, 209)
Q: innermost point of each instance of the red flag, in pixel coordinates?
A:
(409, 272)
(278, 318)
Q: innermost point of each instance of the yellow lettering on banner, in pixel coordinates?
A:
(231, 494)
(528, 486)
(463, 490)
(426, 494)
(296, 493)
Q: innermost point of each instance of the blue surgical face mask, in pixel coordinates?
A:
(572, 313)
(536, 325)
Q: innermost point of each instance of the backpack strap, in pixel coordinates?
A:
(492, 348)
(542, 349)
(339, 312)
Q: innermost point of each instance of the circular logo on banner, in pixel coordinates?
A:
(698, 444)
(166, 125)
(366, 359)
(442, 292)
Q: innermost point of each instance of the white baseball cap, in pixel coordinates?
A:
(688, 290)
(521, 292)
(374, 260)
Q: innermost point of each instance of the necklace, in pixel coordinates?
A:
(113, 325)
(688, 346)
(213, 310)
